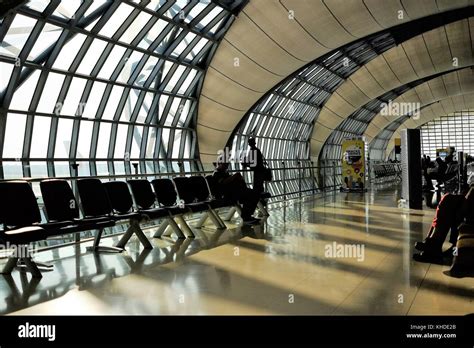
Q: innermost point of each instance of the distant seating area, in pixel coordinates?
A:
(387, 171)
(99, 205)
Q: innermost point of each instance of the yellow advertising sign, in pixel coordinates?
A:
(353, 164)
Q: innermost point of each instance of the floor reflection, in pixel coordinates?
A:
(84, 270)
(279, 267)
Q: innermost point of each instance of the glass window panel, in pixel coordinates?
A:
(62, 169)
(84, 169)
(12, 170)
(176, 143)
(112, 61)
(84, 141)
(14, 135)
(215, 27)
(130, 105)
(164, 43)
(63, 138)
(156, 30)
(69, 52)
(17, 35)
(120, 141)
(102, 168)
(47, 38)
(94, 100)
(104, 139)
(91, 57)
(196, 10)
(175, 9)
(112, 102)
(174, 79)
(183, 44)
(119, 168)
(149, 167)
(22, 96)
(147, 69)
(187, 81)
(40, 137)
(164, 138)
(73, 97)
(136, 142)
(145, 107)
(184, 109)
(187, 145)
(129, 67)
(67, 9)
(38, 170)
(116, 20)
(94, 6)
(37, 5)
(5, 74)
(135, 27)
(209, 17)
(50, 93)
(90, 26)
(172, 111)
(150, 147)
(197, 48)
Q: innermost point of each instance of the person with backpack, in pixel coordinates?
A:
(234, 188)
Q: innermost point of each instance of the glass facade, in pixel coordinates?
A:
(452, 130)
(104, 84)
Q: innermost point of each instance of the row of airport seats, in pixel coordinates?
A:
(387, 171)
(103, 205)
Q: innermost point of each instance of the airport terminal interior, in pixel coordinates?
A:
(236, 157)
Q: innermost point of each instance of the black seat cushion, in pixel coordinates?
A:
(185, 189)
(119, 196)
(199, 187)
(165, 192)
(18, 205)
(59, 200)
(211, 181)
(142, 192)
(95, 201)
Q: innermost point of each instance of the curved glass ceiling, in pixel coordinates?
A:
(283, 120)
(104, 84)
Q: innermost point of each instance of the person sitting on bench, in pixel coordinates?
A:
(233, 187)
(451, 211)
(434, 173)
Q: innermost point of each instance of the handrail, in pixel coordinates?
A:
(146, 175)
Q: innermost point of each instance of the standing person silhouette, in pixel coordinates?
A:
(255, 162)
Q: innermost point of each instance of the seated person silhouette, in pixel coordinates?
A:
(452, 210)
(233, 187)
(434, 173)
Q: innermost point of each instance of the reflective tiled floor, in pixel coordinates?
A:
(282, 267)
